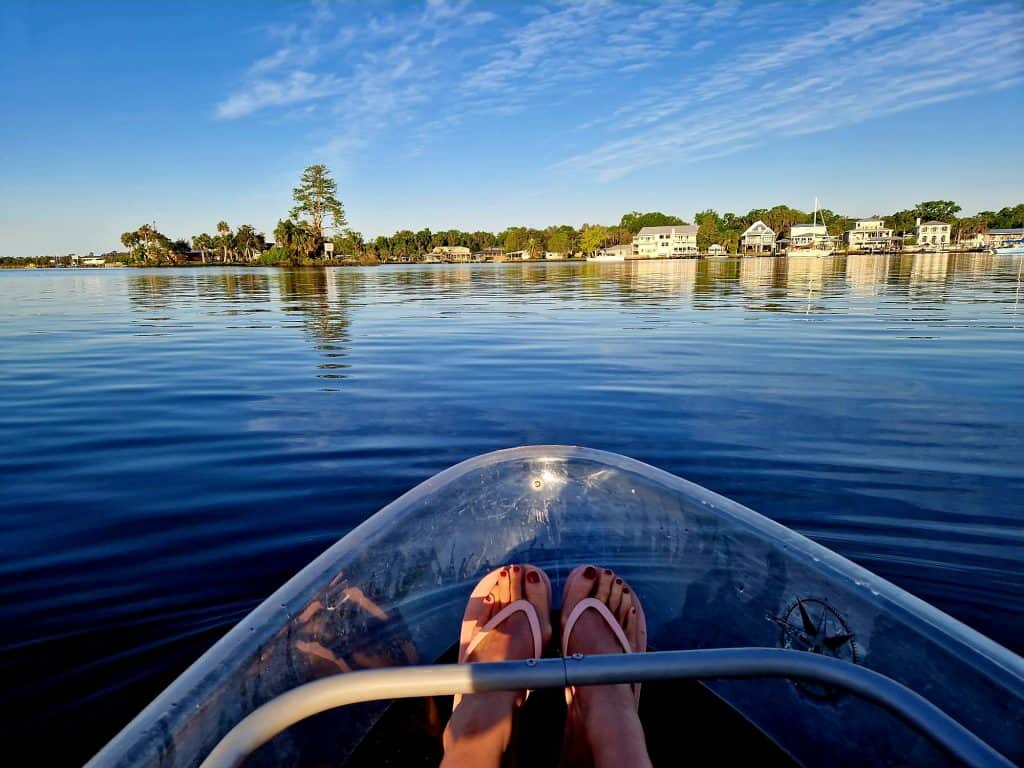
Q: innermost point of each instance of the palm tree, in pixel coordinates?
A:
(223, 239)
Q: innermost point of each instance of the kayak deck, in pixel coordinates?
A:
(711, 574)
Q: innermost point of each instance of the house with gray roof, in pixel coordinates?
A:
(672, 242)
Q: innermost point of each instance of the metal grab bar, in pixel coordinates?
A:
(410, 682)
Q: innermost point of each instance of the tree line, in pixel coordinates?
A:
(318, 217)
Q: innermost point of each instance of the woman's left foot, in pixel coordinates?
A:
(480, 727)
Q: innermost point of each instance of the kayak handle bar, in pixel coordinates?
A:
(279, 713)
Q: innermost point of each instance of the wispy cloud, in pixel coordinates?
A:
(667, 81)
(876, 59)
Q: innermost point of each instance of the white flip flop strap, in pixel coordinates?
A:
(592, 603)
(519, 605)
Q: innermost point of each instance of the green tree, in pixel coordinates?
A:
(223, 240)
(938, 210)
(296, 239)
(708, 228)
(204, 244)
(902, 221)
(131, 241)
(316, 197)
(593, 237)
(635, 221)
(248, 242)
(349, 243)
(559, 242)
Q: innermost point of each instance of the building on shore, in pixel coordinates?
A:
(666, 242)
(932, 233)
(996, 238)
(517, 256)
(489, 254)
(454, 254)
(758, 239)
(871, 236)
(553, 256)
(615, 252)
(716, 249)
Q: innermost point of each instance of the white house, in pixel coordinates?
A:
(666, 242)
(758, 238)
(870, 235)
(932, 233)
(452, 253)
(618, 252)
(716, 249)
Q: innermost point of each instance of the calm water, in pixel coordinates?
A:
(174, 444)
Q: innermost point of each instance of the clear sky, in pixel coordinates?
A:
(482, 115)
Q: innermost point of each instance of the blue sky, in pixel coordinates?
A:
(453, 113)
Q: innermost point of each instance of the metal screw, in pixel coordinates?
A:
(531, 662)
(577, 656)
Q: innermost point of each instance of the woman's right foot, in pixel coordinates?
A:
(602, 724)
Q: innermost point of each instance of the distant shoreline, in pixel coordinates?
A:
(29, 265)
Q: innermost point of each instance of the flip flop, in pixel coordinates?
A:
(471, 636)
(593, 604)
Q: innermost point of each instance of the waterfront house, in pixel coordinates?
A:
(617, 252)
(517, 256)
(666, 242)
(716, 250)
(758, 238)
(489, 254)
(870, 235)
(932, 233)
(995, 238)
(452, 253)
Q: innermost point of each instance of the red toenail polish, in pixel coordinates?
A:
(487, 599)
(504, 573)
(625, 590)
(632, 610)
(589, 573)
(618, 581)
(607, 572)
(533, 577)
(515, 569)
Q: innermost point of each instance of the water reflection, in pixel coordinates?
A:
(323, 300)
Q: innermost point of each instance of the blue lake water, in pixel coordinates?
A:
(175, 444)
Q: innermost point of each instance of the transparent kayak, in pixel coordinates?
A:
(712, 574)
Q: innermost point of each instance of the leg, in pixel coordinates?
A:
(602, 726)
(480, 727)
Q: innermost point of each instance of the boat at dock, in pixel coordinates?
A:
(811, 239)
(1010, 248)
(803, 657)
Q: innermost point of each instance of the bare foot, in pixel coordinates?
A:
(602, 726)
(480, 727)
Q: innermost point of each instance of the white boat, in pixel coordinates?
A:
(811, 239)
(875, 675)
(606, 257)
(1010, 248)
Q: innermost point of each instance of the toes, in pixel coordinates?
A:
(515, 590)
(504, 587)
(537, 591)
(625, 603)
(604, 585)
(616, 595)
(579, 585)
